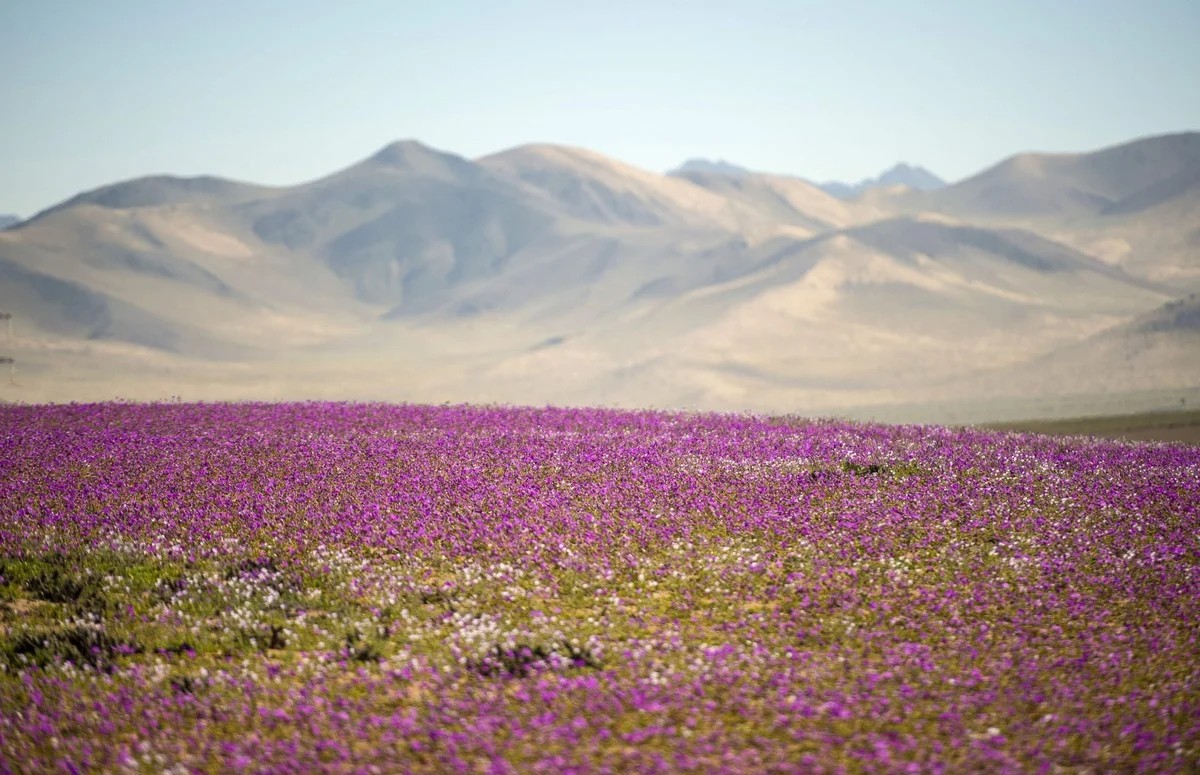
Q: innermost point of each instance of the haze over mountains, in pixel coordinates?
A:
(709, 166)
(914, 177)
(902, 174)
(554, 274)
(8, 220)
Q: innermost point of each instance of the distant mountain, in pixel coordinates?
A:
(159, 190)
(8, 220)
(404, 226)
(917, 178)
(707, 166)
(547, 273)
(1125, 178)
(789, 200)
(596, 188)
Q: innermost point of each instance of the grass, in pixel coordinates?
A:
(1146, 426)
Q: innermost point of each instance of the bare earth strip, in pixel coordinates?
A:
(1151, 426)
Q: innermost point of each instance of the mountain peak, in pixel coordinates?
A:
(1117, 179)
(902, 174)
(710, 167)
(556, 152)
(913, 176)
(402, 153)
(536, 160)
(416, 157)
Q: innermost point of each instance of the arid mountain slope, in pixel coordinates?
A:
(549, 273)
(1123, 178)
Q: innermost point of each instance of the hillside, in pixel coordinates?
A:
(783, 200)
(554, 274)
(708, 166)
(1154, 351)
(1124, 178)
(599, 189)
(909, 176)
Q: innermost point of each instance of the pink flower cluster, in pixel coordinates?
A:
(375, 588)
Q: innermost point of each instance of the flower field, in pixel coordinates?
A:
(371, 588)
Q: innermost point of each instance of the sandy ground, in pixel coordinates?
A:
(431, 372)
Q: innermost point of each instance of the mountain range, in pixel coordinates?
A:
(902, 174)
(914, 177)
(8, 220)
(548, 273)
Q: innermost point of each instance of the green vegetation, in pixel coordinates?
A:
(1181, 425)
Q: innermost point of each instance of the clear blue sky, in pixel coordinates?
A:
(282, 91)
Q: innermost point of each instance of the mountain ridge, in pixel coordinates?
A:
(1059, 184)
(914, 177)
(901, 174)
(709, 166)
(549, 272)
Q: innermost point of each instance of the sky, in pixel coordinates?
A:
(283, 91)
